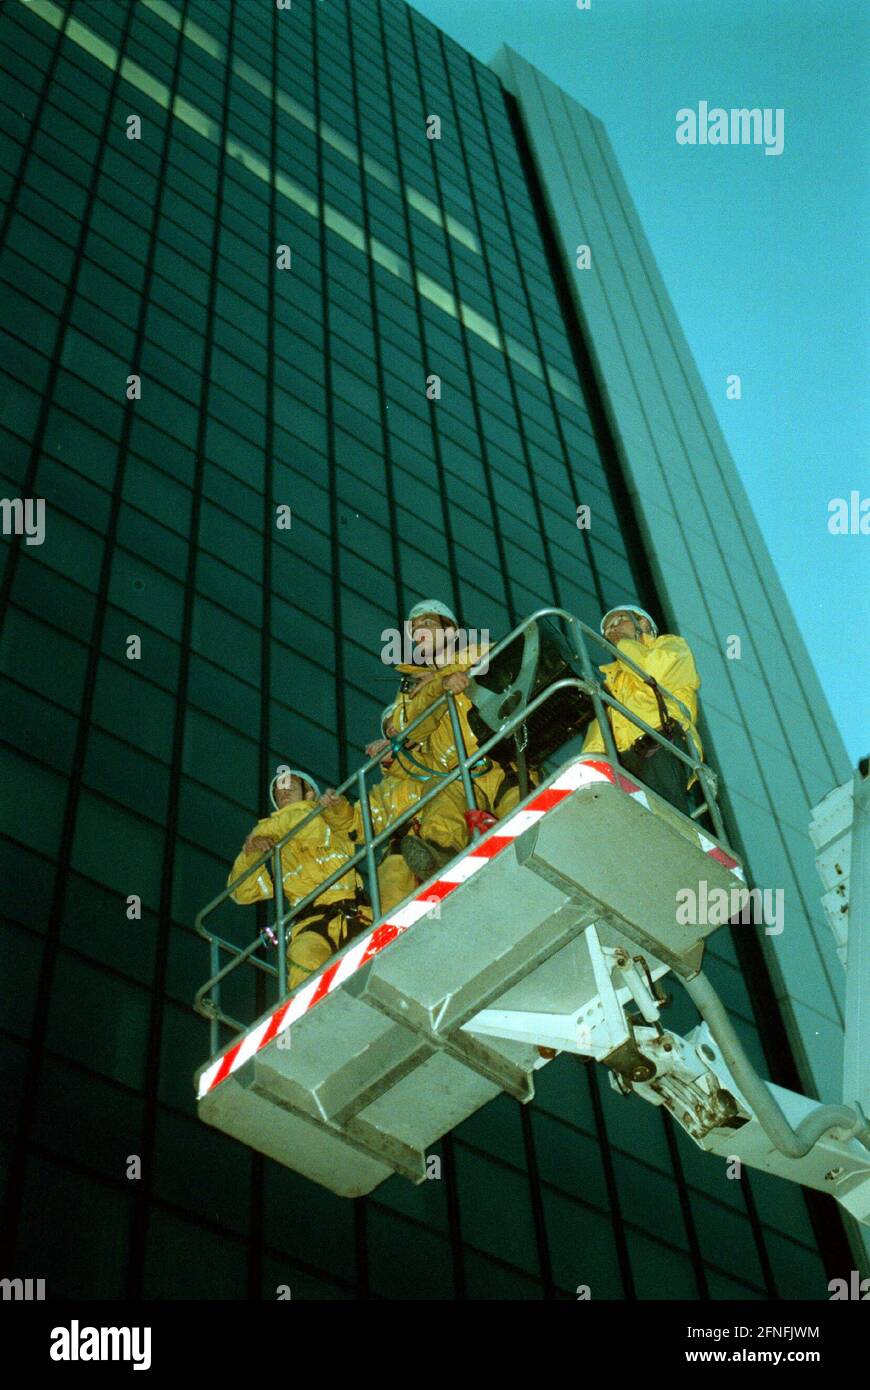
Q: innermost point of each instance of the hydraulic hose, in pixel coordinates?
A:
(794, 1143)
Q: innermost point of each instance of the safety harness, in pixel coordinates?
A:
(351, 908)
(646, 746)
(399, 747)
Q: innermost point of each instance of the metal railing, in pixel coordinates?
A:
(208, 1001)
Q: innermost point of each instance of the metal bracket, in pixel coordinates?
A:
(599, 1029)
(680, 1080)
(488, 703)
(507, 1076)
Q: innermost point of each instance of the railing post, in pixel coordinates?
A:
(597, 702)
(462, 758)
(575, 638)
(365, 812)
(711, 798)
(278, 882)
(214, 965)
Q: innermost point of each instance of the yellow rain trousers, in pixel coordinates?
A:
(669, 661)
(306, 860)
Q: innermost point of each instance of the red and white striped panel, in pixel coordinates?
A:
(579, 774)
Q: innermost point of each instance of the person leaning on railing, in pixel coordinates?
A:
(442, 829)
(668, 660)
(313, 853)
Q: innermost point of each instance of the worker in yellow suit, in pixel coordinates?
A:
(442, 830)
(396, 792)
(336, 915)
(669, 661)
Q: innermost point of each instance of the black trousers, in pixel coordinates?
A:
(663, 774)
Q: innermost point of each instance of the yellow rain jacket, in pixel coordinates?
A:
(438, 749)
(387, 800)
(314, 853)
(669, 661)
(436, 733)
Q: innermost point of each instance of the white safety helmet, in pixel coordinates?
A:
(629, 608)
(283, 773)
(431, 605)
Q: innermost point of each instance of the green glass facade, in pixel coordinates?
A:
(263, 386)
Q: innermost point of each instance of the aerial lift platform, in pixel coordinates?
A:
(550, 933)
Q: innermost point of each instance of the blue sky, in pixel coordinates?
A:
(764, 256)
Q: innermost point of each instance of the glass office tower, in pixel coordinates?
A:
(239, 245)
